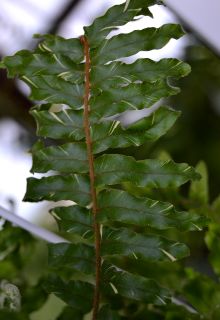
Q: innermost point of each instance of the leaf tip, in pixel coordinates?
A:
(126, 5)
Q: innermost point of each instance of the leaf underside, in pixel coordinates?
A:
(55, 73)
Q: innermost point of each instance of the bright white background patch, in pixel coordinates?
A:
(202, 16)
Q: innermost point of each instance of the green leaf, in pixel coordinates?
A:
(55, 90)
(120, 206)
(127, 243)
(134, 287)
(106, 313)
(110, 134)
(113, 169)
(41, 63)
(80, 257)
(119, 73)
(71, 48)
(214, 212)
(70, 157)
(74, 220)
(55, 188)
(6, 314)
(216, 203)
(116, 16)
(125, 45)
(199, 190)
(70, 314)
(50, 86)
(212, 242)
(66, 124)
(181, 311)
(76, 294)
(131, 97)
(202, 292)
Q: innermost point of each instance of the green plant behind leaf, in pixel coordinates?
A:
(80, 86)
(199, 191)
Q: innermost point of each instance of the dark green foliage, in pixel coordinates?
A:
(71, 313)
(77, 294)
(21, 273)
(129, 225)
(133, 286)
(199, 102)
(121, 206)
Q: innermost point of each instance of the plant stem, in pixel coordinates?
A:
(97, 234)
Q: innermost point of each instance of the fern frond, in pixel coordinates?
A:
(80, 86)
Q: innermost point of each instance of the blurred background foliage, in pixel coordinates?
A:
(197, 134)
(195, 137)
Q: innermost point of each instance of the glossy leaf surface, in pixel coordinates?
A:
(115, 205)
(77, 294)
(128, 243)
